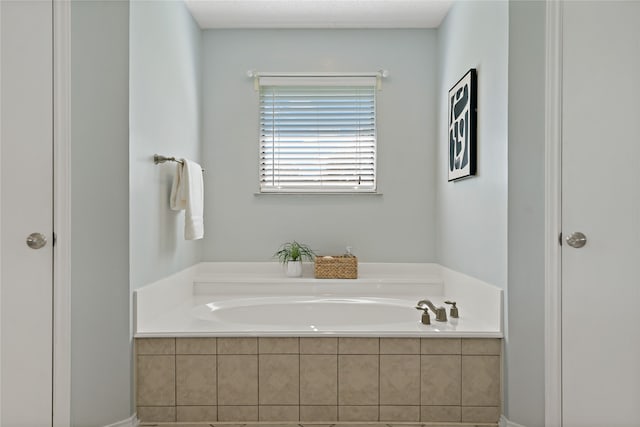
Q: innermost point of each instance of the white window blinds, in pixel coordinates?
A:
(317, 134)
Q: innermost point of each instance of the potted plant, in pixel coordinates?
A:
(291, 255)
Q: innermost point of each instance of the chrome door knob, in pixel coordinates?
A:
(36, 240)
(576, 240)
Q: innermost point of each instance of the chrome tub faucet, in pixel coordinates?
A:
(425, 305)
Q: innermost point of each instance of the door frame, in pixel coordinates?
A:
(62, 213)
(553, 214)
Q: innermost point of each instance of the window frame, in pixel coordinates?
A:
(371, 81)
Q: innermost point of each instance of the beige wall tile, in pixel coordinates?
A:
(357, 380)
(440, 380)
(370, 424)
(278, 345)
(155, 346)
(388, 424)
(399, 345)
(195, 346)
(237, 345)
(196, 380)
(237, 381)
(440, 346)
(440, 413)
(486, 414)
(319, 413)
(358, 413)
(161, 414)
(400, 413)
(358, 345)
(278, 413)
(156, 380)
(197, 413)
(481, 380)
(238, 413)
(482, 346)
(431, 414)
(318, 379)
(318, 345)
(279, 379)
(272, 424)
(400, 380)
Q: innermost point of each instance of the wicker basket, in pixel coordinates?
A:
(336, 267)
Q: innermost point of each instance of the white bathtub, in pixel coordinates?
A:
(254, 299)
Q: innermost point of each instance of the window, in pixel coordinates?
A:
(317, 134)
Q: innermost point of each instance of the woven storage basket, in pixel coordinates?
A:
(336, 267)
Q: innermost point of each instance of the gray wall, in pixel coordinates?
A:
(100, 349)
(165, 102)
(472, 213)
(397, 226)
(525, 342)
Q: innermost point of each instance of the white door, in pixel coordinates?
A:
(601, 198)
(25, 207)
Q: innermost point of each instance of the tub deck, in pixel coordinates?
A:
(254, 299)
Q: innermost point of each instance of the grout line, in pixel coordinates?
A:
(299, 374)
(420, 384)
(379, 376)
(217, 382)
(258, 378)
(337, 383)
(175, 380)
(461, 383)
(299, 380)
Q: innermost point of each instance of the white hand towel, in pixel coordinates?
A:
(187, 192)
(177, 200)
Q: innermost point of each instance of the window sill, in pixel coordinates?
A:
(317, 193)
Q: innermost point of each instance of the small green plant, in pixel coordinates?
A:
(294, 251)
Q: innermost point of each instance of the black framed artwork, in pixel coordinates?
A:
(462, 127)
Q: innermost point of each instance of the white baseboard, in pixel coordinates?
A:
(132, 421)
(504, 422)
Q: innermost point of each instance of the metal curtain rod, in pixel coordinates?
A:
(157, 159)
(379, 74)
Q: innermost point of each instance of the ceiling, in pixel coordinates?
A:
(318, 13)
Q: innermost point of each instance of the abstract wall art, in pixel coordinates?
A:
(462, 127)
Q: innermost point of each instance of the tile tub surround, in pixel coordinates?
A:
(319, 380)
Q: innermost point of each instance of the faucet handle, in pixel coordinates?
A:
(426, 320)
(454, 310)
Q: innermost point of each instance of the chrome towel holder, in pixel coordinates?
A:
(157, 159)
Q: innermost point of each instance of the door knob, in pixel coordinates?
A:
(576, 240)
(36, 240)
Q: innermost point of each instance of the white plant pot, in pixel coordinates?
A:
(293, 268)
